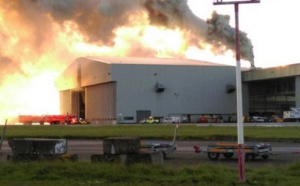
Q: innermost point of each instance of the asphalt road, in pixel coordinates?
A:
(284, 153)
(264, 124)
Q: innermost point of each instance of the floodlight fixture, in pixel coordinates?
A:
(240, 125)
(224, 2)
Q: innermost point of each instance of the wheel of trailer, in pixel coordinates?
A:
(265, 156)
(250, 156)
(228, 155)
(213, 155)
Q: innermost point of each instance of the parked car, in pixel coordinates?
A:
(143, 121)
(258, 119)
(172, 119)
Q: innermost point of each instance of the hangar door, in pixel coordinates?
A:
(100, 104)
(141, 114)
(71, 102)
(269, 97)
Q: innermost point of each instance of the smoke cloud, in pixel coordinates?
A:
(221, 33)
(96, 20)
(215, 31)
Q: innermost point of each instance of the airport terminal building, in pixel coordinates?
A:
(128, 89)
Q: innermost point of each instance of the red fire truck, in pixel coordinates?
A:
(52, 119)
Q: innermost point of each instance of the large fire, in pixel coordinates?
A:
(40, 38)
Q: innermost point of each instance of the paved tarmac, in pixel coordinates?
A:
(284, 153)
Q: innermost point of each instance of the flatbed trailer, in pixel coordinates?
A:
(166, 147)
(229, 149)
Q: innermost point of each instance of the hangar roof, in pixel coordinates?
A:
(94, 69)
(271, 73)
(151, 61)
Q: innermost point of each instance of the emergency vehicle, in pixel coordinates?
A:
(51, 119)
(149, 120)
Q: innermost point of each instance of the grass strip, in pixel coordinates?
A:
(86, 173)
(185, 132)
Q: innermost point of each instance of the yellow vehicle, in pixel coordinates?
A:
(151, 120)
(79, 121)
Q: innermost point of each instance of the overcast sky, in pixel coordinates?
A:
(272, 25)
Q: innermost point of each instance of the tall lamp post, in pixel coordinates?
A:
(240, 127)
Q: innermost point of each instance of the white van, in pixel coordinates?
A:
(172, 119)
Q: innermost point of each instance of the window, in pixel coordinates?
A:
(128, 118)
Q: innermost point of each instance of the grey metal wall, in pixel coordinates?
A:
(100, 103)
(188, 89)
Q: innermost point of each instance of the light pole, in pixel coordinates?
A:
(240, 127)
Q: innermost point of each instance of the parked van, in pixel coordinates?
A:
(172, 119)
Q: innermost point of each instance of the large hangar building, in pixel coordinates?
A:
(128, 89)
(271, 91)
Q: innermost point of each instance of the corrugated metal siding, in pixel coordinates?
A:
(69, 102)
(101, 103)
(65, 101)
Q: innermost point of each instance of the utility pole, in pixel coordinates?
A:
(240, 125)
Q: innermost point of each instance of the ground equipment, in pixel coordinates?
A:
(291, 115)
(229, 149)
(172, 119)
(166, 147)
